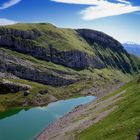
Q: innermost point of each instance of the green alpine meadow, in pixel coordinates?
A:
(69, 70)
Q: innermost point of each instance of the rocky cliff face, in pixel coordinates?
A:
(109, 50)
(82, 49)
(102, 39)
(26, 70)
(25, 42)
(10, 87)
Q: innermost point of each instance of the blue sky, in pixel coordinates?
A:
(118, 18)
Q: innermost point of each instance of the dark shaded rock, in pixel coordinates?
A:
(138, 81)
(10, 87)
(138, 135)
(24, 69)
(42, 92)
(117, 81)
(26, 93)
(75, 59)
(36, 75)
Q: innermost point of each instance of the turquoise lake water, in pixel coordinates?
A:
(25, 124)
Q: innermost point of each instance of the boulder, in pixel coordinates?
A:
(26, 92)
(11, 87)
(138, 135)
(42, 92)
(138, 81)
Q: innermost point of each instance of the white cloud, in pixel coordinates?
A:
(9, 4)
(124, 1)
(4, 21)
(102, 8)
(85, 2)
(110, 9)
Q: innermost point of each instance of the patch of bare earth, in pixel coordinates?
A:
(80, 118)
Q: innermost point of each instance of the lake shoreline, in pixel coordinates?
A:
(52, 131)
(40, 117)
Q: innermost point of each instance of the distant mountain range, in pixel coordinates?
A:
(132, 48)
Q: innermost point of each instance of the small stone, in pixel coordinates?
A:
(26, 93)
(42, 92)
(138, 136)
(11, 87)
(138, 81)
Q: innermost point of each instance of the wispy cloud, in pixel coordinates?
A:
(4, 21)
(85, 2)
(102, 8)
(106, 10)
(9, 4)
(124, 1)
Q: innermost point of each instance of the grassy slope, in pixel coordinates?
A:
(121, 124)
(64, 39)
(106, 53)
